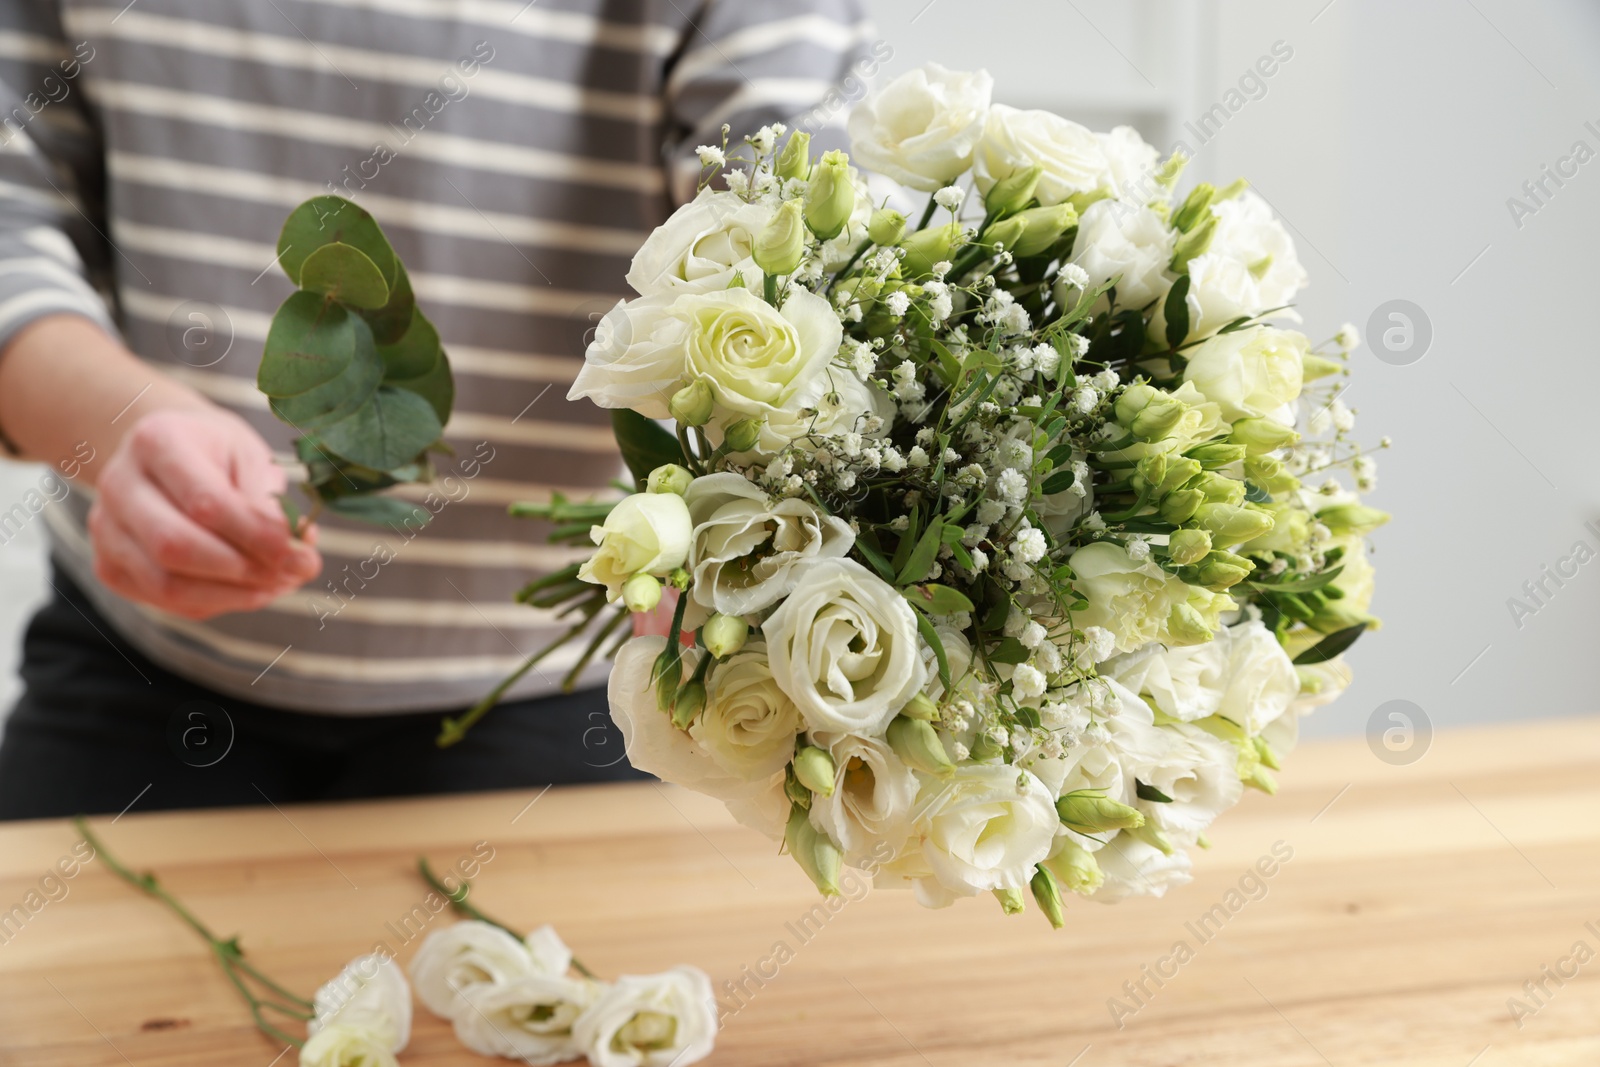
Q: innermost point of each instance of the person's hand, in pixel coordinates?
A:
(187, 521)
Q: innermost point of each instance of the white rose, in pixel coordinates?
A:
(1129, 242)
(702, 246)
(844, 646)
(1249, 268)
(345, 1046)
(659, 1020)
(756, 358)
(921, 129)
(1132, 162)
(454, 959)
(1134, 868)
(749, 724)
(645, 533)
(1243, 674)
(1134, 600)
(874, 797)
(1253, 373)
(1014, 140)
(369, 995)
(652, 743)
(835, 403)
(985, 828)
(636, 358)
(530, 1018)
(746, 547)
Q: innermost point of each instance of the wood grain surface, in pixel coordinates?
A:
(1417, 902)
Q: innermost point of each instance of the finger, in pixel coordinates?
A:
(122, 565)
(176, 542)
(201, 487)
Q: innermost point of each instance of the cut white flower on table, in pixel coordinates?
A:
(530, 1018)
(370, 996)
(455, 959)
(658, 1020)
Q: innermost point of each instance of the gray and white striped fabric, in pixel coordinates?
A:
(517, 153)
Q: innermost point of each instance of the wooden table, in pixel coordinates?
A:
(1418, 901)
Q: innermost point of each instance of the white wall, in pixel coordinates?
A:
(1390, 142)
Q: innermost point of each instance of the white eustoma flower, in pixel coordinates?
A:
(1243, 674)
(340, 1045)
(757, 359)
(658, 1020)
(1013, 140)
(749, 724)
(530, 1018)
(1249, 268)
(1135, 868)
(635, 359)
(874, 796)
(922, 128)
(454, 959)
(1128, 242)
(370, 995)
(645, 533)
(746, 547)
(702, 247)
(1133, 600)
(835, 403)
(984, 828)
(1198, 771)
(1253, 373)
(844, 646)
(1132, 162)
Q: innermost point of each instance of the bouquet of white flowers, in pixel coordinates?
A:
(997, 557)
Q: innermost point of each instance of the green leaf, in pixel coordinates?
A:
(937, 599)
(1177, 311)
(1146, 791)
(920, 562)
(323, 220)
(931, 636)
(414, 353)
(1299, 585)
(437, 387)
(309, 343)
(1255, 494)
(339, 399)
(645, 443)
(1058, 482)
(1009, 650)
(873, 556)
(390, 322)
(379, 510)
(345, 273)
(388, 431)
(1332, 645)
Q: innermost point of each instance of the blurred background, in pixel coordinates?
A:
(1394, 140)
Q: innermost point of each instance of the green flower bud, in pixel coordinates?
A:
(1196, 206)
(1134, 399)
(1155, 838)
(1159, 418)
(1187, 626)
(1043, 227)
(642, 592)
(831, 196)
(1231, 190)
(927, 247)
(816, 853)
(692, 404)
(1011, 901)
(1262, 435)
(669, 478)
(1047, 894)
(1314, 367)
(1090, 811)
(886, 227)
(1179, 473)
(1005, 234)
(985, 748)
(1152, 468)
(815, 769)
(1012, 193)
(921, 706)
(918, 746)
(1081, 201)
(1223, 570)
(724, 634)
(1188, 546)
(1231, 524)
(1216, 454)
(1264, 753)
(1171, 168)
(781, 245)
(1076, 868)
(1331, 618)
(668, 671)
(1345, 519)
(1219, 488)
(796, 792)
(690, 703)
(1193, 244)
(1270, 474)
(1180, 505)
(742, 436)
(1262, 779)
(795, 159)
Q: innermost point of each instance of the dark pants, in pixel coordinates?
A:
(91, 736)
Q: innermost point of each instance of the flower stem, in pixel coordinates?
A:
(230, 957)
(462, 906)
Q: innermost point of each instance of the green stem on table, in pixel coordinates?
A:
(459, 903)
(230, 957)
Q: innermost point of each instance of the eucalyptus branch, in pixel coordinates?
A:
(230, 957)
(464, 907)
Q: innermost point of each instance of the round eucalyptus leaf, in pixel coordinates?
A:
(437, 387)
(310, 342)
(331, 401)
(415, 353)
(390, 430)
(380, 510)
(390, 322)
(322, 220)
(344, 273)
